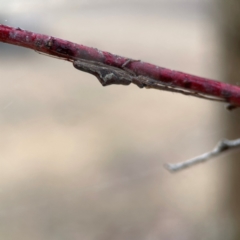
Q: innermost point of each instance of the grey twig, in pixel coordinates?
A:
(222, 146)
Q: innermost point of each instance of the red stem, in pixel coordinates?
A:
(72, 51)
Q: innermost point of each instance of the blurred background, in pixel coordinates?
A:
(79, 161)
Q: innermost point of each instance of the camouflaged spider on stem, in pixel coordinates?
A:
(108, 75)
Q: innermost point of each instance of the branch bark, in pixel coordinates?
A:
(165, 79)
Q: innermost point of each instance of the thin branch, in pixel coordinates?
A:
(171, 80)
(222, 146)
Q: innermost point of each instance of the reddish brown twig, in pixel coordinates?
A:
(164, 78)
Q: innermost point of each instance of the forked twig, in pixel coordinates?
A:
(222, 146)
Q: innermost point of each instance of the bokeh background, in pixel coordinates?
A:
(79, 161)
